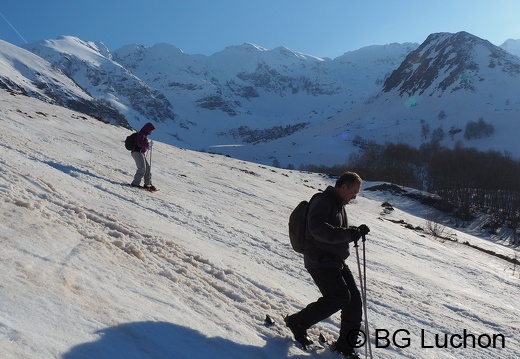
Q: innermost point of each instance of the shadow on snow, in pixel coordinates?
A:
(147, 340)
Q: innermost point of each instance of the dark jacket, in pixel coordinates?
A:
(327, 231)
(141, 141)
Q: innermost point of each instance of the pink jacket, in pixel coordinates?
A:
(142, 137)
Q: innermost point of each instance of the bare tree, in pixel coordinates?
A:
(439, 231)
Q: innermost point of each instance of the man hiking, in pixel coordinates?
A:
(327, 247)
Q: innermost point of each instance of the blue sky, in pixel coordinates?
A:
(324, 28)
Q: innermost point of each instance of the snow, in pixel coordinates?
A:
(88, 51)
(28, 71)
(91, 268)
(512, 46)
(200, 101)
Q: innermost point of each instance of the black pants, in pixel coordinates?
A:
(339, 292)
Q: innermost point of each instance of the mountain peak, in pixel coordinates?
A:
(245, 48)
(287, 53)
(512, 46)
(89, 51)
(445, 61)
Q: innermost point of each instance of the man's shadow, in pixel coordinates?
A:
(154, 340)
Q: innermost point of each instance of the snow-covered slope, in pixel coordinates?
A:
(512, 46)
(22, 71)
(92, 67)
(94, 269)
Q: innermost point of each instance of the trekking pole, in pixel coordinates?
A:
(367, 337)
(150, 164)
(365, 297)
(151, 149)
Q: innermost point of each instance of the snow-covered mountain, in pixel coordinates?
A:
(449, 81)
(23, 72)
(447, 63)
(281, 106)
(92, 68)
(512, 46)
(254, 97)
(92, 268)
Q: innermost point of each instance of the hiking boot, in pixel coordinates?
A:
(299, 332)
(344, 349)
(150, 188)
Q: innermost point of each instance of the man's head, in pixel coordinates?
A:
(348, 186)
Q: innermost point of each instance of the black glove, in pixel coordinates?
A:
(355, 234)
(363, 229)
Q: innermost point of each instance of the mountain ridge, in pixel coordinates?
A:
(228, 98)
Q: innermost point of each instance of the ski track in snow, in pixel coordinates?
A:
(191, 272)
(185, 269)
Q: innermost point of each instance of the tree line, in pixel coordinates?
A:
(469, 179)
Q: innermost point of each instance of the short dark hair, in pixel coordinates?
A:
(348, 178)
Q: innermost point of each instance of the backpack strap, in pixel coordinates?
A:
(307, 211)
